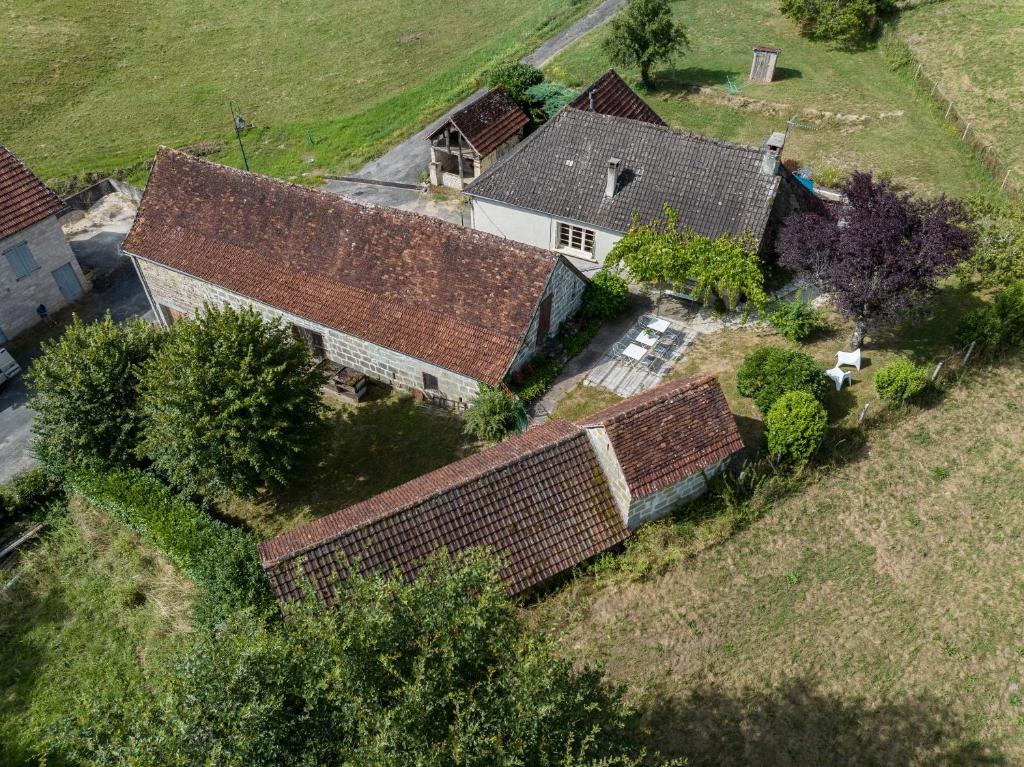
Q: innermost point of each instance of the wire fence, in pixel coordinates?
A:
(942, 373)
(1008, 179)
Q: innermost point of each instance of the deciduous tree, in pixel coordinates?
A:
(882, 256)
(441, 671)
(229, 402)
(84, 389)
(644, 34)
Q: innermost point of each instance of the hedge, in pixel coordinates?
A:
(221, 560)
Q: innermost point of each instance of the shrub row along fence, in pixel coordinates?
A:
(221, 560)
(1008, 179)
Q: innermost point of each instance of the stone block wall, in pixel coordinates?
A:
(19, 298)
(609, 463)
(187, 294)
(567, 288)
(659, 504)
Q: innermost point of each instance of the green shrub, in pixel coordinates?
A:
(575, 336)
(493, 416)
(221, 560)
(795, 427)
(796, 319)
(229, 403)
(768, 372)
(847, 24)
(831, 177)
(1009, 304)
(981, 325)
(28, 497)
(547, 100)
(84, 389)
(516, 78)
(606, 296)
(1001, 323)
(536, 378)
(900, 380)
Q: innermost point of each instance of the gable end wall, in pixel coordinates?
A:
(19, 298)
(567, 288)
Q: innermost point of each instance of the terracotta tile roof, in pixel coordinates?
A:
(561, 170)
(609, 95)
(669, 432)
(539, 500)
(451, 296)
(24, 199)
(488, 122)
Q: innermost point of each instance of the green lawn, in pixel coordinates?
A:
(972, 48)
(861, 113)
(99, 85)
(92, 606)
(364, 450)
(873, 618)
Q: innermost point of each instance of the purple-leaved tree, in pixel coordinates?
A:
(882, 255)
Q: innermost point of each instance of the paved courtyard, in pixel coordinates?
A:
(642, 356)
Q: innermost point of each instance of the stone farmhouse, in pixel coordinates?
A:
(474, 138)
(544, 501)
(415, 302)
(575, 184)
(37, 266)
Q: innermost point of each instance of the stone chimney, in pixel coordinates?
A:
(612, 179)
(772, 153)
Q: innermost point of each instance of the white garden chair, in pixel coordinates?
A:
(838, 376)
(848, 358)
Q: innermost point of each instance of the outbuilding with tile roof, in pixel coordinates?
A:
(414, 302)
(544, 501)
(474, 138)
(37, 266)
(576, 183)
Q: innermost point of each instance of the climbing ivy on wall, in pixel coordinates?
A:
(662, 254)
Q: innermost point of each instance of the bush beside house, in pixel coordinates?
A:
(769, 372)
(795, 426)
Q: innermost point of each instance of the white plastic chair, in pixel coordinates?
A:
(838, 376)
(848, 358)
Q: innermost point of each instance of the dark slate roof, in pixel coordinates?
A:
(426, 288)
(669, 432)
(609, 95)
(560, 171)
(488, 122)
(24, 199)
(539, 500)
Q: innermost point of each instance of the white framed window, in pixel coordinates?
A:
(574, 239)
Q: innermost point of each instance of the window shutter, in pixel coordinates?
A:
(21, 260)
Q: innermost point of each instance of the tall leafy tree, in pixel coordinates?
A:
(439, 671)
(229, 403)
(881, 257)
(84, 389)
(644, 34)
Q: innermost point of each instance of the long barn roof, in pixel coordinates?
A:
(24, 199)
(451, 296)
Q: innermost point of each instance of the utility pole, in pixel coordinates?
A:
(235, 120)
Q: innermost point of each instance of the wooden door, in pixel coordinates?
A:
(544, 321)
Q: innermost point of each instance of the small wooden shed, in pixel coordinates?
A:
(763, 68)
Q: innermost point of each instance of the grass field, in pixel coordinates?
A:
(972, 48)
(93, 605)
(96, 86)
(364, 450)
(873, 618)
(864, 114)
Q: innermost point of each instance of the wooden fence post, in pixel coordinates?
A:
(970, 349)
(863, 412)
(1005, 179)
(938, 369)
(949, 109)
(964, 137)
